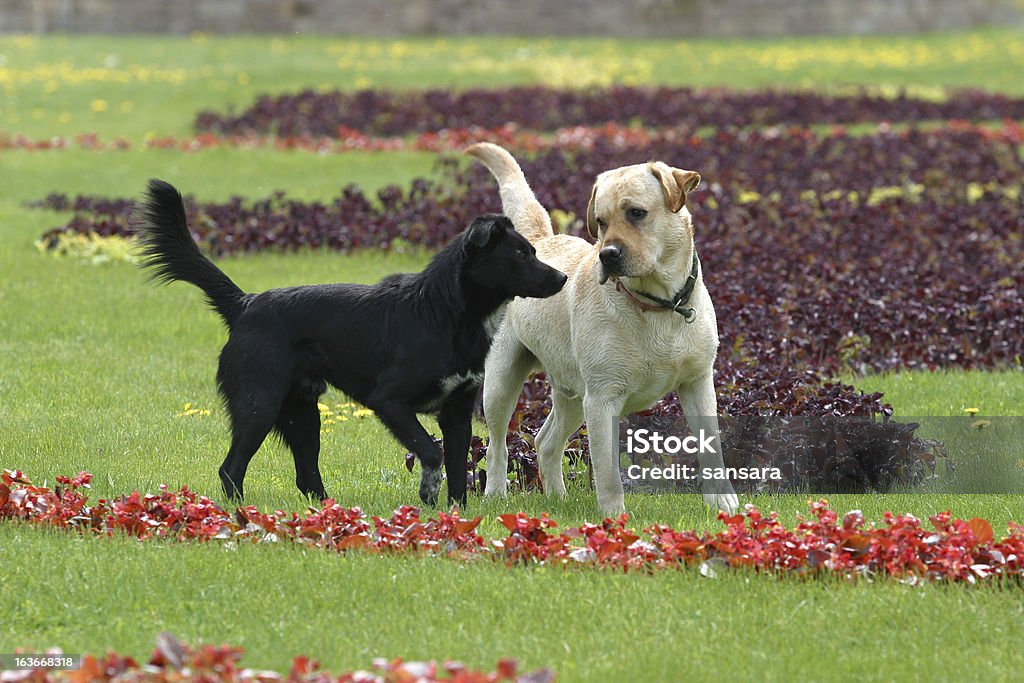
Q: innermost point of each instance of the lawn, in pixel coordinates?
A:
(59, 85)
(97, 368)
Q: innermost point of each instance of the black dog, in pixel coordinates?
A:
(414, 343)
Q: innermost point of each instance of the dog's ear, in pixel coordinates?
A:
(675, 182)
(591, 218)
(482, 231)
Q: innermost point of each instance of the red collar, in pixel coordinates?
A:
(632, 297)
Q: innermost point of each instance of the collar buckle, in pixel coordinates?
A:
(689, 315)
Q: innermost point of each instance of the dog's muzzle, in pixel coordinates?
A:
(611, 257)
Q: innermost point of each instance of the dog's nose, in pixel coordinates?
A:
(611, 254)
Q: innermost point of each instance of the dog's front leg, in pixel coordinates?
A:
(456, 422)
(401, 420)
(602, 415)
(701, 409)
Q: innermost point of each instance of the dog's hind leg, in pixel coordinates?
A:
(508, 364)
(248, 432)
(565, 418)
(456, 422)
(299, 427)
(253, 394)
(400, 419)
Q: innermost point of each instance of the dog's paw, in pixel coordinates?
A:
(613, 507)
(430, 485)
(496, 487)
(727, 502)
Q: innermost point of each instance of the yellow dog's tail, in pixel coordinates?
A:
(517, 199)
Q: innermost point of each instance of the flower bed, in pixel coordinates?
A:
(386, 113)
(952, 550)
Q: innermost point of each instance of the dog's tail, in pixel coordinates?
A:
(517, 199)
(171, 254)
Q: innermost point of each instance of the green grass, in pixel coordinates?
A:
(213, 174)
(96, 367)
(134, 86)
(949, 392)
(596, 626)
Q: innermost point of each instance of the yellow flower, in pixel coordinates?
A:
(99, 106)
(971, 411)
(189, 411)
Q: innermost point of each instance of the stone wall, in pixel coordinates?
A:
(690, 18)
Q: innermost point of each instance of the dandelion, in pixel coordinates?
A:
(971, 411)
(244, 79)
(189, 411)
(99, 106)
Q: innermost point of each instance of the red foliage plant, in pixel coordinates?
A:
(953, 550)
(381, 112)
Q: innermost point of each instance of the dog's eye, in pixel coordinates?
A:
(601, 225)
(635, 214)
(522, 255)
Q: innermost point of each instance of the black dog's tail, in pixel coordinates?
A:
(171, 254)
